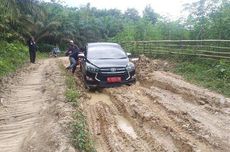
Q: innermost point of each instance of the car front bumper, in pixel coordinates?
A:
(94, 80)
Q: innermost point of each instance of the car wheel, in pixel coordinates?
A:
(88, 88)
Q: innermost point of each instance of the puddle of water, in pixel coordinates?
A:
(126, 126)
(96, 97)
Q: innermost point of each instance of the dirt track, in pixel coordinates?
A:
(33, 112)
(161, 112)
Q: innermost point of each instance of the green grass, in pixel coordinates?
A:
(209, 73)
(80, 133)
(212, 74)
(71, 93)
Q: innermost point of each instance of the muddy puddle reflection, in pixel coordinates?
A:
(126, 126)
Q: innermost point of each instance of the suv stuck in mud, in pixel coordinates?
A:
(106, 65)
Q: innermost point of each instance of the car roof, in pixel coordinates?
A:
(101, 44)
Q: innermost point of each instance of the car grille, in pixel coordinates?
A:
(115, 70)
(112, 72)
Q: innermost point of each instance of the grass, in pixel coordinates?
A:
(209, 73)
(80, 133)
(212, 74)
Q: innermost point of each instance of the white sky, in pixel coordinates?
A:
(170, 8)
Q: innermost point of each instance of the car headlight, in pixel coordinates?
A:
(130, 67)
(92, 68)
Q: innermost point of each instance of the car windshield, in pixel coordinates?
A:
(105, 52)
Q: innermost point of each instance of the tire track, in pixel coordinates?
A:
(112, 131)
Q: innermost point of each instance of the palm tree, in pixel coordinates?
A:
(14, 15)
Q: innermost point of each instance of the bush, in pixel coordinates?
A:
(12, 55)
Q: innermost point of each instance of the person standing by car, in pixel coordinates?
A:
(72, 52)
(32, 49)
(73, 58)
(72, 48)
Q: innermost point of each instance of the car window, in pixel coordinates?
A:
(105, 52)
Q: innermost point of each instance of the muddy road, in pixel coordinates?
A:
(161, 112)
(34, 116)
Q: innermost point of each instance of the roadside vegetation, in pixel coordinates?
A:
(212, 74)
(80, 133)
(12, 56)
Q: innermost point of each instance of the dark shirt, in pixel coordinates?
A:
(32, 45)
(72, 49)
(75, 55)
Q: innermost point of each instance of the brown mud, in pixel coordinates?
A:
(161, 112)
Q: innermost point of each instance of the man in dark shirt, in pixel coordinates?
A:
(32, 49)
(72, 48)
(72, 52)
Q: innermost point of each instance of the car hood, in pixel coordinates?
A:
(103, 63)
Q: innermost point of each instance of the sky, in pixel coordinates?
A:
(169, 8)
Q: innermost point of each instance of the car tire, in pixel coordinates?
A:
(88, 88)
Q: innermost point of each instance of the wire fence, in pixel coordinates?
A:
(217, 49)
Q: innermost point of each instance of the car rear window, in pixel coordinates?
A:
(105, 52)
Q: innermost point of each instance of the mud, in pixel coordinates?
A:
(34, 116)
(161, 112)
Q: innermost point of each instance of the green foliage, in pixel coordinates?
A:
(71, 95)
(41, 55)
(212, 74)
(150, 15)
(131, 14)
(43, 47)
(81, 134)
(12, 55)
(209, 19)
(51, 23)
(72, 92)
